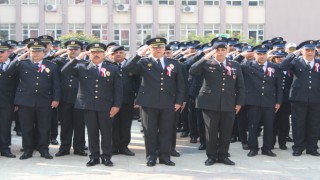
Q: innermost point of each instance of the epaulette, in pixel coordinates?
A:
(49, 61)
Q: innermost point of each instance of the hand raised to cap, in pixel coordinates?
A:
(82, 55)
(208, 56)
(142, 51)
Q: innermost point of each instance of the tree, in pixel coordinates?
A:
(79, 37)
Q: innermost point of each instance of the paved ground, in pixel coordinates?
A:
(189, 166)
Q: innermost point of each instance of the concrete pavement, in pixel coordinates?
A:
(189, 166)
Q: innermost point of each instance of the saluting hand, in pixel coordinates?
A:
(208, 56)
(142, 51)
(114, 111)
(238, 107)
(82, 55)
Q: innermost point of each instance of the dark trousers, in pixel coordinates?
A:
(193, 116)
(157, 127)
(177, 116)
(17, 126)
(243, 125)
(265, 115)
(218, 126)
(5, 128)
(54, 124)
(282, 124)
(305, 125)
(184, 119)
(35, 119)
(72, 124)
(121, 132)
(99, 123)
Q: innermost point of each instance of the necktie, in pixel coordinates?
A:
(222, 66)
(1, 66)
(119, 66)
(159, 63)
(96, 67)
(36, 66)
(261, 66)
(309, 65)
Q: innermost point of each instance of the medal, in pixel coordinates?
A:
(47, 70)
(108, 73)
(171, 66)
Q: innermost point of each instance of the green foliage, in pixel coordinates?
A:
(79, 37)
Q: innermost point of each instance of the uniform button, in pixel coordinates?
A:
(262, 87)
(310, 77)
(97, 86)
(310, 72)
(262, 94)
(161, 73)
(36, 91)
(263, 81)
(309, 81)
(309, 87)
(37, 84)
(264, 76)
(224, 79)
(222, 84)
(161, 84)
(161, 78)
(96, 97)
(70, 85)
(283, 84)
(284, 80)
(282, 87)
(96, 91)
(70, 80)
(222, 89)
(224, 74)
(97, 80)
(37, 77)
(161, 89)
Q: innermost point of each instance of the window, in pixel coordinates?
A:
(121, 1)
(234, 29)
(189, 2)
(211, 29)
(256, 31)
(256, 2)
(100, 31)
(234, 3)
(212, 2)
(76, 2)
(7, 1)
(52, 2)
(145, 2)
(29, 2)
(143, 33)
(7, 31)
(54, 30)
(166, 2)
(30, 31)
(122, 35)
(187, 29)
(76, 28)
(167, 31)
(99, 2)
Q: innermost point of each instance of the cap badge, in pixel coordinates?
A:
(36, 43)
(263, 46)
(72, 42)
(157, 40)
(96, 45)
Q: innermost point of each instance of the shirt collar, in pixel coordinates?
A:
(311, 62)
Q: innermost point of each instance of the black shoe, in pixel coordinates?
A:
(193, 140)
(151, 162)
(313, 153)
(8, 154)
(46, 156)
(202, 147)
(25, 156)
(22, 149)
(54, 142)
(210, 161)
(62, 153)
(184, 134)
(174, 153)
(283, 147)
(289, 139)
(18, 133)
(245, 147)
(252, 153)
(85, 148)
(93, 162)
(167, 162)
(226, 161)
(126, 151)
(296, 153)
(107, 162)
(268, 153)
(228, 155)
(80, 152)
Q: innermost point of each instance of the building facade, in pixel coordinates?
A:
(131, 22)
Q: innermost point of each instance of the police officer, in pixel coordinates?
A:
(100, 96)
(220, 98)
(263, 82)
(121, 132)
(71, 119)
(7, 91)
(161, 94)
(37, 93)
(304, 97)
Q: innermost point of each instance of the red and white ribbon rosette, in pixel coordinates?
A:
(42, 68)
(228, 68)
(316, 67)
(169, 69)
(269, 71)
(103, 72)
